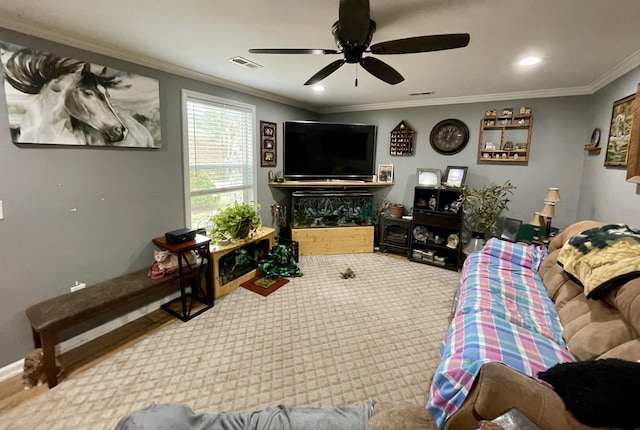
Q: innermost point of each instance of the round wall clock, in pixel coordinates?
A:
(449, 136)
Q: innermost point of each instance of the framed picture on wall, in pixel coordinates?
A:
(51, 100)
(619, 132)
(268, 142)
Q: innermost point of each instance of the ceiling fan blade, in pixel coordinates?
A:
(412, 45)
(353, 17)
(293, 51)
(381, 70)
(325, 71)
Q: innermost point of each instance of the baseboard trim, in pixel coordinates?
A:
(11, 370)
(15, 368)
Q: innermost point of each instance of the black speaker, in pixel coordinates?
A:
(181, 235)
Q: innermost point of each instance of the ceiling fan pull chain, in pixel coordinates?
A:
(356, 75)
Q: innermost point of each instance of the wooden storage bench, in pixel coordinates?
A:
(65, 316)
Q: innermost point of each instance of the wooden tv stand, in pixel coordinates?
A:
(333, 240)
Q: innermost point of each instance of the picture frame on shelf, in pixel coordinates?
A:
(620, 132)
(428, 177)
(455, 176)
(385, 173)
(268, 144)
(510, 229)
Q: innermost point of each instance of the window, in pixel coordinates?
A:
(218, 154)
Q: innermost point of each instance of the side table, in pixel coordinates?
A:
(190, 275)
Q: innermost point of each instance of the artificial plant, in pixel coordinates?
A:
(482, 206)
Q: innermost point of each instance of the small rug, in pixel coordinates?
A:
(263, 286)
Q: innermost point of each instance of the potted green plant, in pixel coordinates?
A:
(235, 221)
(482, 206)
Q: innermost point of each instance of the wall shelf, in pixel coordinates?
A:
(505, 139)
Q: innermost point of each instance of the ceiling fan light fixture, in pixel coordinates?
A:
(529, 61)
(318, 88)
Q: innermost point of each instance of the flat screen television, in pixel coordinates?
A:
(321, 150)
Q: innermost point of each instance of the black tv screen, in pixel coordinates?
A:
(322, 150)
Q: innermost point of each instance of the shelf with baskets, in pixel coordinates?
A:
(436, 227)
(505, 138)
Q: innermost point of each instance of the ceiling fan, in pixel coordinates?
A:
(353, 33)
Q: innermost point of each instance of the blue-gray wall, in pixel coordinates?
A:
(89, 214)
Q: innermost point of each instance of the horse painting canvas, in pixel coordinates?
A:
(64, 101)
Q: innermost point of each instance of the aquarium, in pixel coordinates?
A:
(312, 209)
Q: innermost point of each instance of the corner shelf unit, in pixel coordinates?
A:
(436, 228)
(505, 139)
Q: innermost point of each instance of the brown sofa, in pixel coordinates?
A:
(593, 329)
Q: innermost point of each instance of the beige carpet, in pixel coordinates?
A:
(319, 340)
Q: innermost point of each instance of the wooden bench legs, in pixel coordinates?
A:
(47, 341)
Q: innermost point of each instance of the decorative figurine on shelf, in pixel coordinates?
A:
(456, 205)
(432, 203)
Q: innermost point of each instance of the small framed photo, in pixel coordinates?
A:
(268, 144)
(455, 176)
(507, 112)
(428, 177)
(385, 172)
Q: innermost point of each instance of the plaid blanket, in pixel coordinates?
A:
(503, 314)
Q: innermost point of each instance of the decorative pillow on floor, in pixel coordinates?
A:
(599, 393)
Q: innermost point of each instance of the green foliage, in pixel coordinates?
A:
(199, 180)
(482, 206)
(229, 222)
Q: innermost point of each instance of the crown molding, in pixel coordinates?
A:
(554, 92)
(628, 64)
(19, 25)
(122, 54)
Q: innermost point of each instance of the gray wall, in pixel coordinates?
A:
(88, 214)
(556, 158)
(605, 195)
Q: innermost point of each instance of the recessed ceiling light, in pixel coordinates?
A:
(318, 88)
(529, 61)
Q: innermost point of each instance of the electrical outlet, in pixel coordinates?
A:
(78, 286)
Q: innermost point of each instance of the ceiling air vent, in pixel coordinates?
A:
(244, 62)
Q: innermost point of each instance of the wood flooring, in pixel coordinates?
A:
(85, 356)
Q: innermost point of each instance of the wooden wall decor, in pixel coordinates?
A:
(633, 160)
(402, 138)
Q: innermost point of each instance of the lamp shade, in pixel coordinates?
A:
(537, 220)
(553, 195)
(549, 210)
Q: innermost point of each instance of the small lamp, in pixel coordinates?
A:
(553, 195)
(548, 212)
(537, 221)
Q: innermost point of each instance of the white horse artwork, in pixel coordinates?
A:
(71, 104)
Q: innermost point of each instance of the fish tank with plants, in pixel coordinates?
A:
(321, 209)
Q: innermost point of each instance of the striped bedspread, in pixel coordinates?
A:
(502, 313)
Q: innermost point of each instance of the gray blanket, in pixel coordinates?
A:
(180, 417)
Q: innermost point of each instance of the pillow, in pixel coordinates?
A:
(600, 393)
(602, 258)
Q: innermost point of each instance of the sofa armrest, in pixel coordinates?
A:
(499, 388)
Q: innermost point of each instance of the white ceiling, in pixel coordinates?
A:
(584, 44)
